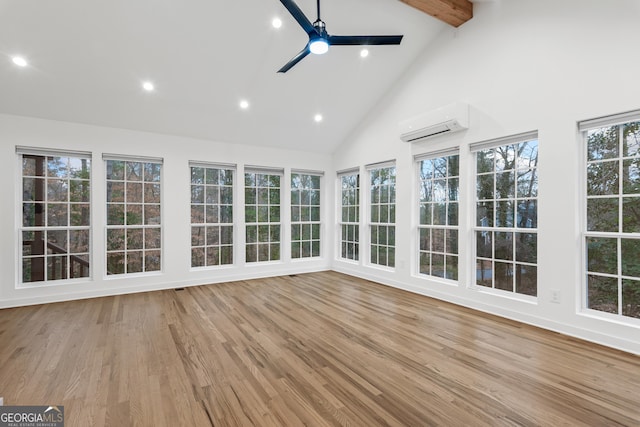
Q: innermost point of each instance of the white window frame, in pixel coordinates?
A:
(262, 170)
(21, 228)
(207, 245)
(418, 159)
(474, 149)
(357, 244)
(313, 224)
(583, 128)
(107, 157)
(370, 223)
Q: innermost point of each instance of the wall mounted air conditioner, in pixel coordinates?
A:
(448, 119)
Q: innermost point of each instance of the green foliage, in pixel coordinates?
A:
(631, 212)
(603, 143)
(630, 257)
(602, 214)
(631, 298)
(602, 255)
(603, 178)
(602, 293)
(115, 263)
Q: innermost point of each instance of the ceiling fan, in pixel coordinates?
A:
(320, 40)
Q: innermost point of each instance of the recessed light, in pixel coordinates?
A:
(317, 118)
(364, 53)
(244, 104)
(19, 61)
(148, 86)
(276, 23)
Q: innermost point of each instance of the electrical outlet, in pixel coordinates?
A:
(555, 296)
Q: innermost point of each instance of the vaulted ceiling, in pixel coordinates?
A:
(87, 61)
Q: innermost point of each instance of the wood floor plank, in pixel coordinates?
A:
(321, 349)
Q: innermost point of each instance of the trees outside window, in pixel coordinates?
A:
(438, 187)
(349, 222)
(211, 215)
(262, 215)
(55, 235)
(507, 215)
(134, 226)
(382, 207)
(612, 234)
(305, 215)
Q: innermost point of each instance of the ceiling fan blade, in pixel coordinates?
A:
(304, 52)
(297, 14)
(363, 40)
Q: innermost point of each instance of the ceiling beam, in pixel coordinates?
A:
(453, 12)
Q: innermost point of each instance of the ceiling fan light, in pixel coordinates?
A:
(318, 46)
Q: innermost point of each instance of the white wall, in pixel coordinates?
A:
(522, 66)
(176, 151)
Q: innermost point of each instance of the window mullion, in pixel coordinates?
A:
(619, 269)
(620, 178)
(513, 254)
(620, 213)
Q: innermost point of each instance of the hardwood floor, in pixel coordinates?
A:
(319, 349)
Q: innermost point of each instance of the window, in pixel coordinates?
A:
(382, 230)
(305, 214)
(211, 215)
(134, 227)
(55, 235)
(612, 234)
(438, 187)
(262, 214)
(507, 214)
(350, 215)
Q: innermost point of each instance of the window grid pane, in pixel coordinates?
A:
(382, 204)
(305, 215)
(55, 233)
(438, 187)
(350, 217)
(507, 217)
(211, 216)
(612, 239)
(134, 225)
(262, 217)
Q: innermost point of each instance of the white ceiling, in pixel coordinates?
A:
(88, 58)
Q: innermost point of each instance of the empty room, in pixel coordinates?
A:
(320, 213)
